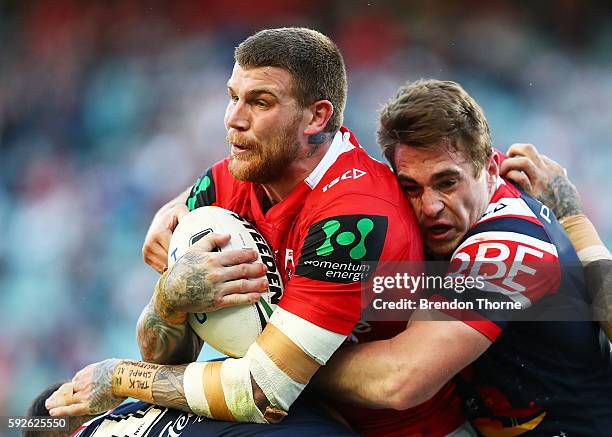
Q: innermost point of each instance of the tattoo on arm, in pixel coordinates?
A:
(102, 398)
(562, 197)
(168, 389)
(163, 343)
(187, 282)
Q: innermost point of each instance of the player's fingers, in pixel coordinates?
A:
(244, 286)
(239, 299)
(246, 271)
(163, 241)
(210, 242)
(235, 257)
(524, 149)
(553, 166)
(520, 179)
(155, 254)
(176, 214)
(79, 409)
(180, 211)
(60, 397)
(157, 259)
(523, 164)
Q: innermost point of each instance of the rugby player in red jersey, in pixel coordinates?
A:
(325, 207)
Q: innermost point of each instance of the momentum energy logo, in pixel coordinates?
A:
(343, 249)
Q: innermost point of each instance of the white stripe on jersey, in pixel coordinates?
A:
(507, 206)
(484, 237)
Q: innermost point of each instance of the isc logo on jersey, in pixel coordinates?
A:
(229, 330)
(349, 174)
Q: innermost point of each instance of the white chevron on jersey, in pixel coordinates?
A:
(510, 237)
(508, 206)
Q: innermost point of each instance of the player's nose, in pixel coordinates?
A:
(236, 117)
(431, 204)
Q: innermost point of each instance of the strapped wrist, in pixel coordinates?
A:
(584, 238)
(134, 379)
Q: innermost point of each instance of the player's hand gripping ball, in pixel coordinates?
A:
(229, 330)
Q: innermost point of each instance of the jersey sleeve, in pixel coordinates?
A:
(513, 266)
(341, 248)
(203, 192)
(214, 188)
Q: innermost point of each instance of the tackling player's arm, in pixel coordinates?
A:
(158, 340)
(406, 370)
(155, 247)
(257, 388)
(412, 367)
(547, 181)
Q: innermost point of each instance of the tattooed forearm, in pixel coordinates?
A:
(562, 197)
(164, 343)
(168, 390)
(187, 282)
(102, 398)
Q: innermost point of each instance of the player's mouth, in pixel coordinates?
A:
(240, 150)
(439, 231)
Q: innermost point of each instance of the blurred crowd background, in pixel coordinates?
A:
(110, 108)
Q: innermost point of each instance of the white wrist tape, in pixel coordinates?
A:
(193, 383)
(236, 381)
(281, 362)
(593, 253)
(280, 389)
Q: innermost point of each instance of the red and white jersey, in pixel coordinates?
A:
(546, 372)
(511, 251)
(348, 212)
(328, 235)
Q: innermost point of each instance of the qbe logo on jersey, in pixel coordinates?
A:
(343, 248)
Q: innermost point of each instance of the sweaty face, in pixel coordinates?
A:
(263, 123)
(446, 196)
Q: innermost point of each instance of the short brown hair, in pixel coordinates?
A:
(427, 112)
(313, 60)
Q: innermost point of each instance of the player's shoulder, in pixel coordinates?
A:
(214, 187)
(511, 219)
(348, 172)
(508, 202)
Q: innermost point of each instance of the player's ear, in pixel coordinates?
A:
(319, 114)
(492, 167)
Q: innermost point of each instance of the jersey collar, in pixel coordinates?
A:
(340, 144)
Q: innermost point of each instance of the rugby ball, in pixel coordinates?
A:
(229, 330)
